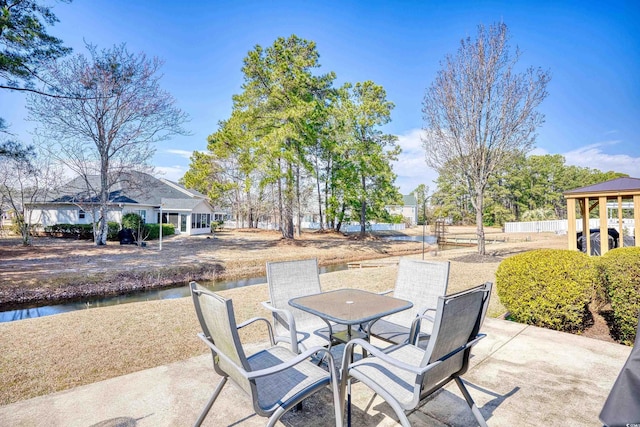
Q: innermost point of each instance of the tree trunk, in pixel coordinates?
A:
(363, 210)
(479, 225)
(319, 195)
(101, 237)
(341, 217)
(298, 203)
(289, 198)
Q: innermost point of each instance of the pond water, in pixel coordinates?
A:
(429, 239)
(179, 291)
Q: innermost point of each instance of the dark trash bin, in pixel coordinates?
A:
(622, 407)
(594, 235)
(126, 237)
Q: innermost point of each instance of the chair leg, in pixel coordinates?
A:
(209, 404)
(471, 403)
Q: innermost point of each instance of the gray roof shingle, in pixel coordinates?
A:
(614, 185)
(132, 187)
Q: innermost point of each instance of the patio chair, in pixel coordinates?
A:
(291, 279)
(404, 375)
(276, 379)
(420, 282)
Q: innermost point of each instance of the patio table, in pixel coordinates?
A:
(349, 307)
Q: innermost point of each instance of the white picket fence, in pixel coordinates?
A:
(561, 226)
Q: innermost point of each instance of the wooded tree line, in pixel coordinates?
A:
(296, 144)
(530, 189)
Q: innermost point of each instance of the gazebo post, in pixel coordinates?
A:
(636, 217)
(620, 223)
(604, 232)
(586, 231)
(571, 224)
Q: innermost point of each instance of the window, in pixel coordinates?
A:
(81, 213)
(200, 220)
(143, 214)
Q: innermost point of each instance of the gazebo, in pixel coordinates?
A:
(609, 194)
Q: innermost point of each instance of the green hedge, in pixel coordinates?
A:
(132, 220)
(154, 230)
(80, 231)
(548, 288)
(620, 273)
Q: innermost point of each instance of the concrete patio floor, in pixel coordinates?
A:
(519, 375)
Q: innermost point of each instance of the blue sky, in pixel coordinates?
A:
(592, 50)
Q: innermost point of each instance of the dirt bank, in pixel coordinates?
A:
(55, 270)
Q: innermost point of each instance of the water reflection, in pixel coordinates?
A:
(179, 291)
(432, 240)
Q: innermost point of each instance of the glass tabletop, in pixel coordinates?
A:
(350, 306)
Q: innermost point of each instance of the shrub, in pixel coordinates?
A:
(132, 220)
(81, 231)
(620, 272)
(154, 230)
(548, 288)
(77, 231)
(135, 223)
(113, 229)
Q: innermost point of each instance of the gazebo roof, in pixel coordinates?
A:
(615, 187)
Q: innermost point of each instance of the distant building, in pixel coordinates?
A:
(408, 209)
(188, 210)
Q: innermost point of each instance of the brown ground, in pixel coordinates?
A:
(53, 353)
(58, 269)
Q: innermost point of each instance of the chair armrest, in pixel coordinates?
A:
(375, 351)
(274, 369)
(290, 323)
(255, 319)
(422, 313)
(302, 357)
(414, 332)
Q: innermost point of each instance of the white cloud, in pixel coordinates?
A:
(182, 153)
(172, 173)
(593, 156)
(411, 168)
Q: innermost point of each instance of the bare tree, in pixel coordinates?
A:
(109, 128)
(480, 113)
(25, 181)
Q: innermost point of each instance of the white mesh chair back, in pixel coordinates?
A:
(420, 282)
(292, 279)
(218, 324)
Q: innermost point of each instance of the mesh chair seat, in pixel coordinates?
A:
(284, 387)
(398, 382)
(395, 333)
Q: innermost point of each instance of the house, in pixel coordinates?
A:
(76, 203)
(408, 209)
